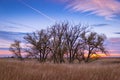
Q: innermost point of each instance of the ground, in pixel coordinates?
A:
(102, 69)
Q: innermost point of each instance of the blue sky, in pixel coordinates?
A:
(18, 17)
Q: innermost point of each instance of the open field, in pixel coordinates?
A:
(103, 69)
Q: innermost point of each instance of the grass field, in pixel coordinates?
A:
(103, 69)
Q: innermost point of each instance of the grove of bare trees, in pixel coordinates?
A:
(62, 43)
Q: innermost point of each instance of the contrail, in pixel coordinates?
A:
(51, 19)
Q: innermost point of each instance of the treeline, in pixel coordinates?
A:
(61, 43)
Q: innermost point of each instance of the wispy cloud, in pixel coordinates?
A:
(109, 9)
(114, 45)
(9, 24)
(15, 26)
(7, 35)
(4, 44)
(16, 23)
(36, 10)
(100, 25)
(114, 40)
(5, 53)
(7, 27)
(116, 32)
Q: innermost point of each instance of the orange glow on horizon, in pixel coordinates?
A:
(108, 55)
(7, 52)
(104, 55)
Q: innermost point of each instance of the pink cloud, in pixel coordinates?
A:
(108, 9)
(4, 53)
(5, 43)
(114, 40)
(114, 46)
(115, 55)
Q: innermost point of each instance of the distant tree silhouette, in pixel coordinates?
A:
(15, 48)
(94, 43)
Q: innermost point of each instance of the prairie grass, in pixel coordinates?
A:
(30, 70)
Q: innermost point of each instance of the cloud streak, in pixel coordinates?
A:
(108, 9)
(7, 35)
(14, 23)
(4, 44)
(116, 32)
(113, 45)
(5, 53)
(100, 25)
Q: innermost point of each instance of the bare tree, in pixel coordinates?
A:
(94, 43)
(15, 48)
(39, 42)
(73, 41)
(58, 41)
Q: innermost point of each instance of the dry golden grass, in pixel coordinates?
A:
(16, 70)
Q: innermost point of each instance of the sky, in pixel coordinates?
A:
(18, 17)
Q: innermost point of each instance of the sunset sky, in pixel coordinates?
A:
(18, 17)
